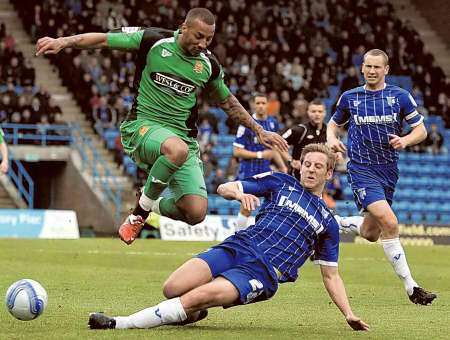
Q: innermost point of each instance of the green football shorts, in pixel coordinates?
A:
(142, 140)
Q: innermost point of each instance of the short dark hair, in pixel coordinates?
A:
(377, 52)
(317, 101)
(202, 14)
(258, 94)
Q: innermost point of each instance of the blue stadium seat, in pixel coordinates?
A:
(431, 217)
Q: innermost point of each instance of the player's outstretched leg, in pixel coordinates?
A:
(219, 292)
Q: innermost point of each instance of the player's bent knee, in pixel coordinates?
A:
(372, 237)
(175, 150)
(171, 289)
(195, 217)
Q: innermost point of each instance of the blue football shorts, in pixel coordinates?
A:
(371, 183)
(238, 260)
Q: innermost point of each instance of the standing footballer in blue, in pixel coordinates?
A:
(374, 113)
(254, 157)
(292, 224)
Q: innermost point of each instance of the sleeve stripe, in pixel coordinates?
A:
(417, 123)
(332, 120)
(326, 263)
(239, 184)
(238, 145)
(412, 115)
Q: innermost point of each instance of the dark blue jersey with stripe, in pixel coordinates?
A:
(291, 225)
(371, 117)
(246, 139)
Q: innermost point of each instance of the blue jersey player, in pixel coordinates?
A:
(255, 158)
(374, 114)
(292, 224)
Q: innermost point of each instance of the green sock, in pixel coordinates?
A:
(168, 208)
(159, 175)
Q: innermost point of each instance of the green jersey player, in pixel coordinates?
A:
(159, 133)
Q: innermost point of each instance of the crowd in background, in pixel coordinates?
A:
(21, 101)
(292, 50)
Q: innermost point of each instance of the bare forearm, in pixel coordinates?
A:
(238, 114)
(85, 40)
(417, 135)
(229, 191)
(244, 154)
(332, 131)
(4, 152)
(336, 291)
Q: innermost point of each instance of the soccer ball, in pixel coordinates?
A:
(26, 299)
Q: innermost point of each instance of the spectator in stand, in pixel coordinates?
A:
(6, 108)
(434, 140)
(103, 117)
(218, 179)
(52, 109)
(351, 79)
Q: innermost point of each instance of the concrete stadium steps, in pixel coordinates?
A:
(6, 202)
(406, 9)
(47, 75)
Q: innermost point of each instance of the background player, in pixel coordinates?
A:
(375, 113)
(293, 223)
(160, 131)
(314, 131)
(254, 157)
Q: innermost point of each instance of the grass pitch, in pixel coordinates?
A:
(88, 275)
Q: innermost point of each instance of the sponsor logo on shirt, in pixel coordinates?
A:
(383, 119)
(356, 103)
(177, 86)
(130, 29)
(285, 202)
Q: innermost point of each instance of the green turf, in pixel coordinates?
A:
(105, 275)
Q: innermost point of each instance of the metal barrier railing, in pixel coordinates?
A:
(70, 134)
(22, 180)
(101, 174)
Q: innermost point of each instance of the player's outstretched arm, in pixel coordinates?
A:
(49, 45)
(335, 288)
(5, 161)
(232, 191)
(239, 115)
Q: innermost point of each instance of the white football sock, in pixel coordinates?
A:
(166, 312)
(155, 207)
(396, 256)
(145, 202)
(241, 222)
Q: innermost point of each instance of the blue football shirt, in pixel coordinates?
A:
(371, 117)
(246, 139)
(291, 225)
